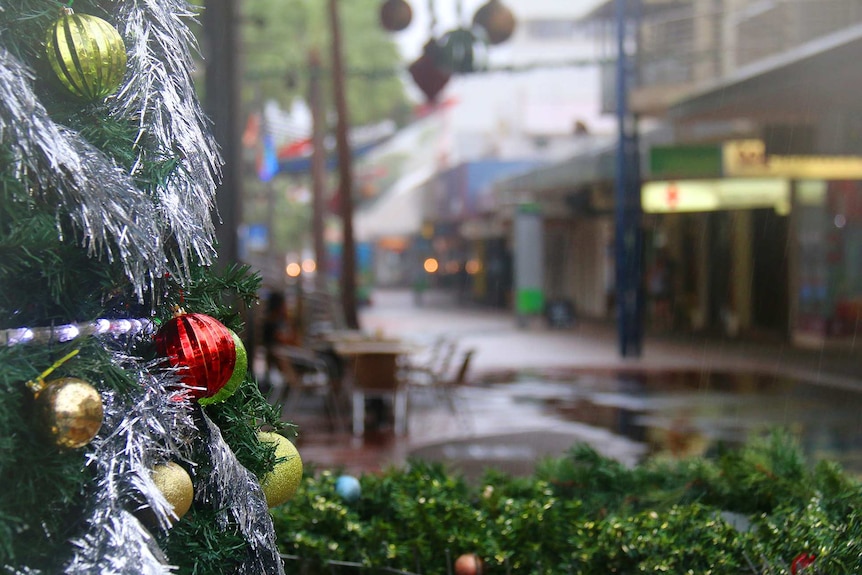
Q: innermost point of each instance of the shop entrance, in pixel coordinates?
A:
(769, 291)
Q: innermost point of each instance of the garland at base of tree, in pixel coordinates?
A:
(756, 510)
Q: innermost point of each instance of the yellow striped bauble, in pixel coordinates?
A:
(87, 54)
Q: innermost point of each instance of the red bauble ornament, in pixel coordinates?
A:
(468, 564)
(802, 562)
(202, 348)
(395, 15)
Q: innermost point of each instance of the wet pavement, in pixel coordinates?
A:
(534, 392)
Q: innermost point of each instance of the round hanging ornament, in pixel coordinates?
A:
(395, 15)
(203, 350)
(176, 485)
(496, 20)
(457, 51)
(70, 411)
(237, 377)
(87, 54)
(428, 73)
(280, 484)
(348, 488)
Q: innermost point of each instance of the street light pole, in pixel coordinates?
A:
(627, 245)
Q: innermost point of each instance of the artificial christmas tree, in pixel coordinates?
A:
(128, 428)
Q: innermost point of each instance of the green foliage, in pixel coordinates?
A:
(584, 513)
(278, 35)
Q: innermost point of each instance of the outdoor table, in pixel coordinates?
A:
(373, 370)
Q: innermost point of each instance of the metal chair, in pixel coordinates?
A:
(445, 387)
(302, 373)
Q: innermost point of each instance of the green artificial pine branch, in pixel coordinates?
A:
(53, 273)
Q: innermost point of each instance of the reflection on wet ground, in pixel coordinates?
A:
(512, 420)
(687, 413)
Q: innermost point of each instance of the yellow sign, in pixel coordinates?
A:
(711, 195)
(748, 159)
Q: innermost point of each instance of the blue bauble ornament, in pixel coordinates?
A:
(348, 488)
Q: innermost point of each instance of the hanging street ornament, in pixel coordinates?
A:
(427, 72)
(457, 51)
(176, 485)
(237, 377)
(395, 15)
(280, 484)
(203, 350)
(496, 20)
(70, 410)
(87, 54)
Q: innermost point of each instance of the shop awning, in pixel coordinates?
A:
(398, 212)
(792, 86)
(592, 165)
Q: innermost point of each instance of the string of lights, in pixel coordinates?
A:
(71, 331)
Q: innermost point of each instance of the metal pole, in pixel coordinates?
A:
(318, 170)
(222, 106)
(345, 177)
(627, 245)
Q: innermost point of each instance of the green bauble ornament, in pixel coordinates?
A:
(281, 483)
(87, 54)
(237, 377)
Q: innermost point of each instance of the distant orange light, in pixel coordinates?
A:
(473, 267)
(452, 267)
(309, 265)
(431, 265)
(293, 270)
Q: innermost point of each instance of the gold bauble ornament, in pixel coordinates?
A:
(280, 484)
(176, 485)
(71, 411)
(87, 54)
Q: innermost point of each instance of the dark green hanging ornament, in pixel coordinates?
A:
(457, 51)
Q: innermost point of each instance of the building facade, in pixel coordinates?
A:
(750, 153)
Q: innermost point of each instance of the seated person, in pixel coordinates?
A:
(282, 342)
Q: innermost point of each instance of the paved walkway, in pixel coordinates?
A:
(501, 345)
(507, 425)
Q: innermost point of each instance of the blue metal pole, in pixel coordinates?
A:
(627, 206)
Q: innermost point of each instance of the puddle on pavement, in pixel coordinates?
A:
(675, 413)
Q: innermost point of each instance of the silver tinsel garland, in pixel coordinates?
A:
(115, 219)
(140, 430)
(237, 493)
(159, 95)
(105, 207)
(110, 214)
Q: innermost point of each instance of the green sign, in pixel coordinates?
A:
(676, 162)
(529, 301)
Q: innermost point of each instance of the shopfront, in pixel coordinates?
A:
(772, 248)
(829, 270)
(716, 257)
